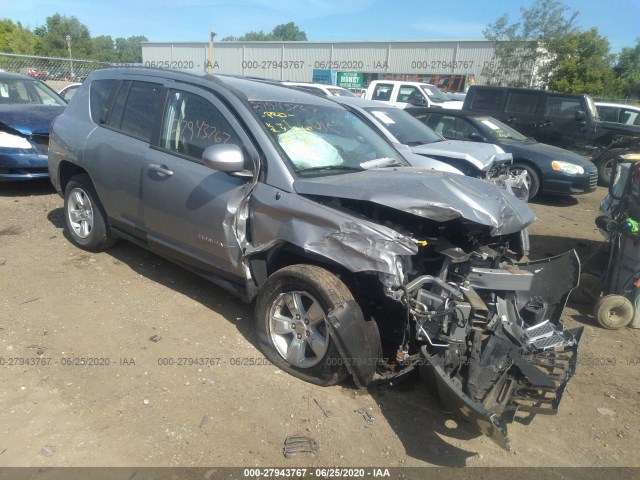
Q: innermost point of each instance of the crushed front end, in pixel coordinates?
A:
(488, 334)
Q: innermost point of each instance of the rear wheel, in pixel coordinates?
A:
(605, 167)
(291, 322)
(84, 215)
(533, 179)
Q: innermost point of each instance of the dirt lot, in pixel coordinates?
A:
(132, 309)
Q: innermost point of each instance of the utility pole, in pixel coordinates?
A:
(212, 35)
(68, 37)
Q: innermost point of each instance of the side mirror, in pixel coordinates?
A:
(476, 137)
(580, 115)
(225, 158)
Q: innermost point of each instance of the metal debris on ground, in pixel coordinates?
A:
(327, 413)
(365, 414)
(203, 421)
(299, 444)
(155, 338)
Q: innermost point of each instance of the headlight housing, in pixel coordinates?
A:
(7, 140)
(566, 167)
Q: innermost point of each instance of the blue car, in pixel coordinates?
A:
(27, 109)
(549, 169)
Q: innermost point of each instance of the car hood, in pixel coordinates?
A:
(29, 119)
(542, 152)
(483, 156)
(437, 196)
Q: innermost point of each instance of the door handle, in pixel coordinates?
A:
(511, 119)
(160, 169)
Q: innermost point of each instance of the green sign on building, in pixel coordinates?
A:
(350, 80)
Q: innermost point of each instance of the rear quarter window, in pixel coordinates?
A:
(521, 102)
(99, 96)
(487, 100)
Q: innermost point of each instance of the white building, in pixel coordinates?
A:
(447, 63)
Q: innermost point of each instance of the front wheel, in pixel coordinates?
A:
(613, 312)
(533, 179)
(605, 167)
(291, 323)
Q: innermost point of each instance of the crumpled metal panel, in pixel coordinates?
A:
(359, 245)
(483, 156)
(437, 196)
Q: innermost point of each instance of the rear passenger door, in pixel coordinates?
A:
(117, 149)
(522, 110)
(190, 209)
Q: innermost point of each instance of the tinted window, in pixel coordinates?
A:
(99, 96)
(382, 92)
(486, 100)
(191, 124)
(140, 109)
(115, 116)
(608, 114)
(562, 107)
(518, 102)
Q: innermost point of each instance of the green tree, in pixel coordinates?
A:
(129, 50)
(627, 69)
(289, 32)
(585, 65)
(283, 32)
(523, 48)
(103, 48)
(52, 42)
(16, 39)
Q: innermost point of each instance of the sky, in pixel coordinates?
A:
(322, 20)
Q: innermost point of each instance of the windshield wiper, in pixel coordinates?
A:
(330, 167)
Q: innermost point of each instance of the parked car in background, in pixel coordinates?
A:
(401, 94)
(550, 169)
(618, 113)
(559, 119)
(320, 89)
(360, 264)
(488, 162)
(36, 73)
(69, 91)
(27, 108)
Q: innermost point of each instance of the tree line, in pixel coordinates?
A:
(50, 40)
(561, 57)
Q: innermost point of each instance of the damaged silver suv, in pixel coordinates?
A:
(359, 264)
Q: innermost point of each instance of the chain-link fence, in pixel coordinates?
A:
(57, 72)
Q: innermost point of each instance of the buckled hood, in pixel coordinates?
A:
(437, 196)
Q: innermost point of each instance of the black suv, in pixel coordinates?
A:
(559, 119)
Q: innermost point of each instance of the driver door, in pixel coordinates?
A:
(190, 209)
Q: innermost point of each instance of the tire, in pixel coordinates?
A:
(314, 291)
(84, 215)
(613, 312)
(605, 165)
(534, 178)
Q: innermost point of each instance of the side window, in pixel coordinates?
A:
(191, 124)
(562, 107)
(488, 100)
(99, 95)
(140, 109)
(410, 94)
(520, 102)
(608, 114)
(382, 92)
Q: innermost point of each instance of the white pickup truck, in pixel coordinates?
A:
(401, 93)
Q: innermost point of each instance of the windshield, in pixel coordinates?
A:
(325, 140)
(18, 91)
(500, 130)
(435, 95)
(405, 128)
